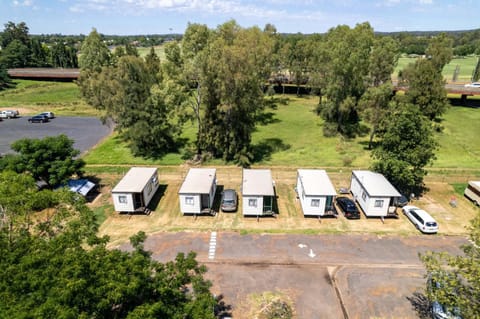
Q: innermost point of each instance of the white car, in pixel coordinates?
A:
(473, 85)
(421, 219)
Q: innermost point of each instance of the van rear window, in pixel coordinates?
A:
(431, 224)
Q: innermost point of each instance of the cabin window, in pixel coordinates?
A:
(379, 203)
(364, 196)
(252, 202)
(122, 199)
(315, 203)
(189, 200)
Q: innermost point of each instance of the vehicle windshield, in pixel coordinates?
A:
(431, 224)
(228, 201)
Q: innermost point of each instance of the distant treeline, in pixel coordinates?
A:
(19, 49)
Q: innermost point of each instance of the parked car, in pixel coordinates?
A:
(348, 207)
(9, 114)
(400, 201)
(50, 115)
(421, 219)
(229, 199)
(473, 85)
(38, 119)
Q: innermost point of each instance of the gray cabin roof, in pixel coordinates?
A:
(257, 182)
(135, 180)
(198, 181)
(316, 182)
(375, 184)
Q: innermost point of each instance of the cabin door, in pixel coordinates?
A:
(137, 200)
(205, 199)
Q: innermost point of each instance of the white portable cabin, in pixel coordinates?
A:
(315, 191)
(136, 189)
(257, 192)
(197, 192)
(472, 192)
(373, 192)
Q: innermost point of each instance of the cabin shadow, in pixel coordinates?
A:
(218, 198)
(420, 304)
(475, 103)
(266, 147)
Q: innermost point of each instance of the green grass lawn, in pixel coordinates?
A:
(63, 98)
(466, 65)
(290, 135)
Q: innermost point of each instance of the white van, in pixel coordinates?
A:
(472, 192)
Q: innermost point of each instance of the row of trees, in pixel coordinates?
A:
(216, 78)
(20, 50)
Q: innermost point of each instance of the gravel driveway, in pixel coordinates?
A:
(85, 131)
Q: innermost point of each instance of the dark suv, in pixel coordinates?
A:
(348, 207)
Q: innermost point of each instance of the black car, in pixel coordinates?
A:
(38, 119)
(348, 207)
(229, 200)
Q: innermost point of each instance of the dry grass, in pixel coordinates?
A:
(167, 217)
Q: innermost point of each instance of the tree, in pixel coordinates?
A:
(15, 55)
(51, 159)
(406, 146)
(58, 268)
(374, 106)
(346, 78)
(143, 109)
(458, 276)
(5, 80)
(426, 88)
(94, 53)
(235, 70)
(13, 32)
(440, 51)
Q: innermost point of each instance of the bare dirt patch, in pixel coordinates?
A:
(166, 214)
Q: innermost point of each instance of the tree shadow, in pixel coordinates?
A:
(266, 118)
(222, 309)
(266, 147)
(421, 305)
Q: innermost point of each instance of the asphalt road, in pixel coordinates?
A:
(326, 276)
(85, 131)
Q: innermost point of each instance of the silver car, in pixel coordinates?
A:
(229, 200)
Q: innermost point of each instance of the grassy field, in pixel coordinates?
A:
(62, 98)
(466, 66)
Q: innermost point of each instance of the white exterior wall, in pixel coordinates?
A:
(366, 203)
(306, 201)
(310, 210)
(190, 207)
(123, 207)
(368, 206)
(150, 189)
(250, 210)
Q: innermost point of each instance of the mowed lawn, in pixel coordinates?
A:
(466, 66)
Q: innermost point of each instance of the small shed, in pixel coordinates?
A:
(136, 189)
(258, 193)
(374, 193)
(81, 186)
(197, 192)
(315, 192)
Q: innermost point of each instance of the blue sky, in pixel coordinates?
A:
(126, 17)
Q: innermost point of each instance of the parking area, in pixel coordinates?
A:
(85, 131)
(325, 276)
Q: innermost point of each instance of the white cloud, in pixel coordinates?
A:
(24, 3)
